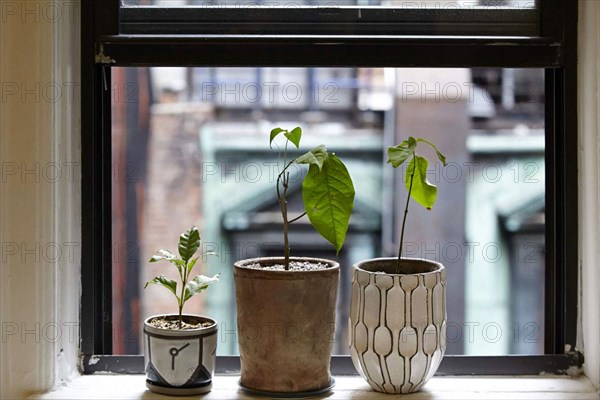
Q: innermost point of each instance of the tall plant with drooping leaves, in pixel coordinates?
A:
(417, 184)
(189, 243)
(327, 191)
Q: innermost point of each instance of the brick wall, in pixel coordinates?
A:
(173, 196)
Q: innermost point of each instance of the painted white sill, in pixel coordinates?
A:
(349, 387)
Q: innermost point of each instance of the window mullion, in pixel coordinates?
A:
(106, 19)
(321, 51)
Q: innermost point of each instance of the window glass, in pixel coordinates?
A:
(190, 146)
(345, 17)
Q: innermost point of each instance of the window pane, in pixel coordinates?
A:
(347, 17)
(190, 147)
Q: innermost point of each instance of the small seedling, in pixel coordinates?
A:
(327, 191)
(417, 184)
(189, 243)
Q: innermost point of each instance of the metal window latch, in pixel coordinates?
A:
(102, 58)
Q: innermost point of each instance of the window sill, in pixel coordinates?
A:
(225, 387)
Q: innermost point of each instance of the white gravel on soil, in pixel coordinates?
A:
(173, 324)
(294, 266)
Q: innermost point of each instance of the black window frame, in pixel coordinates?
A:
(110, 38)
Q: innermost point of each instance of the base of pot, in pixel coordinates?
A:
(288, 395)
(179, 391)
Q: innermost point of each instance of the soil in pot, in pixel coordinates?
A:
(294, 266)
(407, 266)
(171, 322)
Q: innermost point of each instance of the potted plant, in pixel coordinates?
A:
(181, 348)
(398, 306)
(286, 305)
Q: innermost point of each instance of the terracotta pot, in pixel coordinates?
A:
(180, 362)
(398, 322)
(286, 326)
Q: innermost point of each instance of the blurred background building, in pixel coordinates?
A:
(190, 146)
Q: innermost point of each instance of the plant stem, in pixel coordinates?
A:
(286, 223)
(284, 178)
(412, 175)
(181, 299)
(180, 314)
(297, 218)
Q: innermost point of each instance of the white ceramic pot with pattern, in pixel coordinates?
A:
(180, 362)
(398, 322)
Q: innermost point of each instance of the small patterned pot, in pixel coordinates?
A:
(182, 362)
(398, 322)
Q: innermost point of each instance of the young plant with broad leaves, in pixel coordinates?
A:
(327, 191)
(417, 184)
(189, 243)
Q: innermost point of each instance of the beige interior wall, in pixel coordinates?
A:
(39, 194)
(589, 192)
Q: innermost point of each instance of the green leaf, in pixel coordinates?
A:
(294, 136)
(274, 133)
(177, 262)
(328, 196)
(400, 153)
(167, 254)
(163, 281)
(189, 242)
(440, 156)
(316, 156)
(164, 255)
(191, 264)
(170, 257)
(197, 285)
(423, 191)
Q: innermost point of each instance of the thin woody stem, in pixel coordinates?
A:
(184, 280)
(283, 179)
(286, 243)
(297, 218)
(412, 175)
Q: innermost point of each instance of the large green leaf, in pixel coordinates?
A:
(189, 242)
(328, 196)
(294, 136)
(400, 153)
(198, 284)
(316, 156)
(423, 191)
(164, 281)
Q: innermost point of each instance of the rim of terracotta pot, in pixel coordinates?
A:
(408, 266)
(240, 267)
(180, 333)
